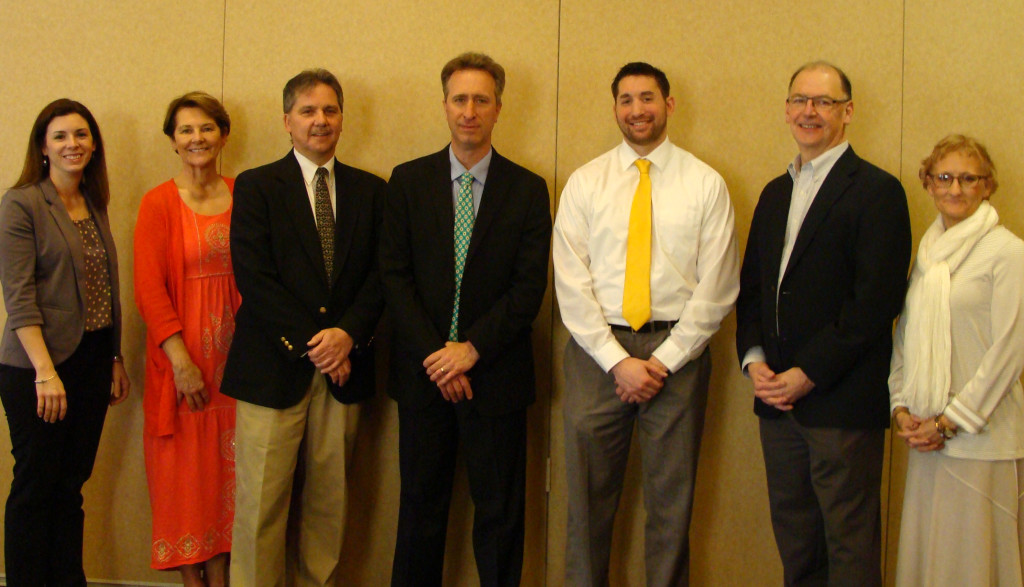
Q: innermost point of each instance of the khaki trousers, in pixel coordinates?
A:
(268, 444)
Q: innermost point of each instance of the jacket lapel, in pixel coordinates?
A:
(348, 210)
(491, 201)
(292, 187)
(776, 230)
(835, 185)
(67, 228)
(442, 221)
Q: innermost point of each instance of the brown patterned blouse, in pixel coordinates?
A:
(98, 313)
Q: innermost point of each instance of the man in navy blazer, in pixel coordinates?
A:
(823, 278)
(303, 235)
(461, 357)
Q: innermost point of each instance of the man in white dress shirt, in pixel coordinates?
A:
(646, 268)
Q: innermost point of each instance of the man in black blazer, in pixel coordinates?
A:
(462, 362)
(303, 234)
(823, 278)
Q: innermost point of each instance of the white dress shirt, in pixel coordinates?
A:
(309, 177)
(986, 320)
(694, 256)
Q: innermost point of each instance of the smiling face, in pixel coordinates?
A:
(955, 203)
(472, 109)
(314, 122)
(197, 138)
(642, 112)
(69, 145)
(818, 131)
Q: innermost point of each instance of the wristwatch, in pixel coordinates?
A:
(946, 432)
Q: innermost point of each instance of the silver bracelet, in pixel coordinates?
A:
(38, 381)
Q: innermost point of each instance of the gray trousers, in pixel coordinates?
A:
(598, 430)
(824, 492)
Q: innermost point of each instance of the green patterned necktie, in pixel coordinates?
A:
(464, 218)
(324, 218)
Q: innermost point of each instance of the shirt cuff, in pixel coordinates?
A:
(670, 355)
(754, 355)
(964, 417)
(610, 354)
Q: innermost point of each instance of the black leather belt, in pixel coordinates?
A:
(652, 326)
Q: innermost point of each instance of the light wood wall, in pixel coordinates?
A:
(919, 70)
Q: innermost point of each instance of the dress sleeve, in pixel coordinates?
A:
(152, 274)
(574, 284)
(718, 282)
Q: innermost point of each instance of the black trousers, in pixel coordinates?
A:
(494, 449)
(44, 523)
(824, 487)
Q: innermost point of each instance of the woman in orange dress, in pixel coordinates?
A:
(185, 291)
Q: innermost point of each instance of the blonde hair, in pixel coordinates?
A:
(959, 144)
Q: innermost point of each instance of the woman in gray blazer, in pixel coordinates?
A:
(60, 362)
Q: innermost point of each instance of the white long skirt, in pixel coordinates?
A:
(961, 522)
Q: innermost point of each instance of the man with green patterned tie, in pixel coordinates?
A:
(646, 268)
(463, 259)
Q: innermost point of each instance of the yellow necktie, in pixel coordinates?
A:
(636, 294)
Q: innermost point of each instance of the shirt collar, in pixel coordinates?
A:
(821, 164)
(309, 168)
(479, 171)
(659, 157)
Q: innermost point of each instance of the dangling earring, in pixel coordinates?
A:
(46, 161)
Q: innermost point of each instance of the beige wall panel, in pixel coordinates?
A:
(388, 57)
(956, 85)
(729, 64)
(125, 62)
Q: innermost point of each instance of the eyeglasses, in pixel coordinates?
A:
(820, 103)
(967, 181)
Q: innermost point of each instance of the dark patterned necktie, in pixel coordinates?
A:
(324, 218)
(464, 218)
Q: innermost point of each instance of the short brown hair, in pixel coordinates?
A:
(478, 61)
(203, 101)
(306, 81)
(964, 145)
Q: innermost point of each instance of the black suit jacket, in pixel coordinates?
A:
(502, 286)
(841, 291)
(287, 296)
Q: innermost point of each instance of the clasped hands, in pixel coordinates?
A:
(919, 433)
(329, 351)
(638, 380)
(779, 390)
(447, 367)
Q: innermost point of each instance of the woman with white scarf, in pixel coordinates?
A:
(955, 392)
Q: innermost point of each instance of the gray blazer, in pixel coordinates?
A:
(42, 271)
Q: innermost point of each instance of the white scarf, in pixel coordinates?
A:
(926, 349)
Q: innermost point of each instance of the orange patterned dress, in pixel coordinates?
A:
(189, 455)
